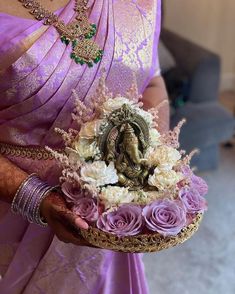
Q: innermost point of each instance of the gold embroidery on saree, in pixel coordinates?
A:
(38, 153)
(134, 37)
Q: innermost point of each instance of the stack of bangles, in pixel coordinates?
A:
(28, 198)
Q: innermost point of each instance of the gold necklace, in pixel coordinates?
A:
(79, 32)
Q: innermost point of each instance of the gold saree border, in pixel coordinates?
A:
(32, 152)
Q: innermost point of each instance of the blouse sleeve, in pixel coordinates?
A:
(155, 70)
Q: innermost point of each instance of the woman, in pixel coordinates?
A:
(37, 75)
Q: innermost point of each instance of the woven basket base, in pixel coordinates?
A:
(140, 243)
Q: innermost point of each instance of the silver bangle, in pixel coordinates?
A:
(29, 197)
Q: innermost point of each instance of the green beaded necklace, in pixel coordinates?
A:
(79, 32)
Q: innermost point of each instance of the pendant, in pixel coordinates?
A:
(79, 33)
(86, 51)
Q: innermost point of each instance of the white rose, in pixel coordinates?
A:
(90, 129)
(164, 179)
(146, 115)
(154, 138)
(113, 195)
(86, 148)
(98, 173)
(164, 157)
(113, 104)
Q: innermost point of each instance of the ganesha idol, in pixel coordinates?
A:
(124, 141)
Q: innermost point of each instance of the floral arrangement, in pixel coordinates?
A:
(121, 175)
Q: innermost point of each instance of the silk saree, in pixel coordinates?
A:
(37, 76)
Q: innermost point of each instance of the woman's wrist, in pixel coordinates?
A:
(28, 199)
(11, 177)
(52, 198)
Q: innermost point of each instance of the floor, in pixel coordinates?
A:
(206, 263)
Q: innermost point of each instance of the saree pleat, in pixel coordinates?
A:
(34, 75)
(87, 83)
(29, 61)
(31, 247)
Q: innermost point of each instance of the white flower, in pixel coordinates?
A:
(145, 197)
(98, 173)
(140, 197)
(164, 157)
(113, 104)
(145, 114)
(154, 138)
(73, 156)
(154, 195)
(90, 129)
(86, 148)
(164, 179)
(114, 195)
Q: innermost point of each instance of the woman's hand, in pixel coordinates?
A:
(62, 220)
(155, 94)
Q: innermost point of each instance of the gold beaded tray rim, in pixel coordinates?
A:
(141, 243)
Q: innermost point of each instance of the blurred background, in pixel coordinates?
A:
(197, 57)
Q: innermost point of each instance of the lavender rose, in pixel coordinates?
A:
(167, 217)
(192, 200)
(199, 184)
(125, 221)
(195, 182)
(186, 171)
(86, 208)
(71, 193)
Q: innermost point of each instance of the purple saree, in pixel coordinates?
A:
(36, 79)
